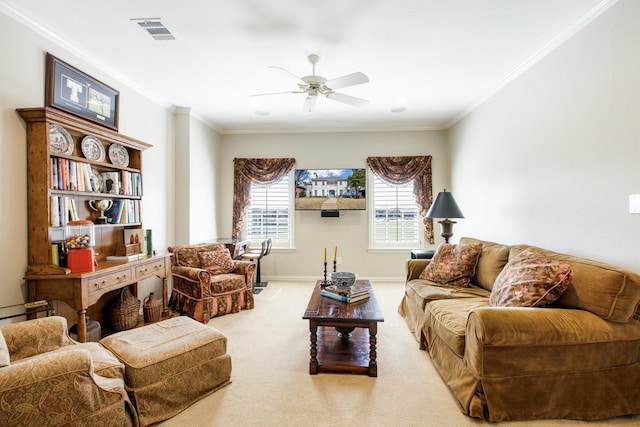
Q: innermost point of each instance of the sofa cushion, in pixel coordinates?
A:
(530, 280)
(226, 283)
(453, 265)
(492, 260)
(217, 262)
(611, 292)
(448, 320)
(422, 291)
(5, 358)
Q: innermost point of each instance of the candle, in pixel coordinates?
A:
(335, 253)
(325, 255)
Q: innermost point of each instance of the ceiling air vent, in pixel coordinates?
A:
(156, 29)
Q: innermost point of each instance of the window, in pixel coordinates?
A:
(394, 219)
(269, 214)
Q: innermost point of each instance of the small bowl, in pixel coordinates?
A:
(343, 279)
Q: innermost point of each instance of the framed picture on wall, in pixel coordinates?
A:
(75, 92)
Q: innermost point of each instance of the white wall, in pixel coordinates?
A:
(196, 179)
(203, 168)
(22, 78)
(551, 159)
(182, 208)
(313, 233)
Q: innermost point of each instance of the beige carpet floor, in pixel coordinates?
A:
(271, 386)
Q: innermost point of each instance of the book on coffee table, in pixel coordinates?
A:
(353, 291)
(348, 298)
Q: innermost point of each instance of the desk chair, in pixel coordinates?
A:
(257, 256)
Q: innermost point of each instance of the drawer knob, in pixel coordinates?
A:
(100, 285)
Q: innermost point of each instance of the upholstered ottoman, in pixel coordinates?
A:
(171, 364)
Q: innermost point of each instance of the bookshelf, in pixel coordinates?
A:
(60, 181)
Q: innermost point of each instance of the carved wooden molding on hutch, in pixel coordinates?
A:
(48, 281)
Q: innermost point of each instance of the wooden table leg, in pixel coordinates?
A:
(82, 326)
(313, 362)
(165, 298)
(31, 297)
(373, 355)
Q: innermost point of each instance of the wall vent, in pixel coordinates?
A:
(155, 29)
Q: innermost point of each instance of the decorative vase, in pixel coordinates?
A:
(152, 309)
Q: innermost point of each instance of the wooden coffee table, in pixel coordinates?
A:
(343, 336)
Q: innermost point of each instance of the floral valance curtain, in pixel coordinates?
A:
(257, 171)
(400, 170)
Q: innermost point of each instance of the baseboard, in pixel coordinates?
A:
(314, 278)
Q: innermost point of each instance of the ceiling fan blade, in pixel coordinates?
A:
(309, 104)
(276, 93)
(288, 72)
(348, 99)
(348, 80)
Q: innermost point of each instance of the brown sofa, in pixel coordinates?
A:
(577, 359)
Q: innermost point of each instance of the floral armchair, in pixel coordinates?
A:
(48, 379)
(207, 282)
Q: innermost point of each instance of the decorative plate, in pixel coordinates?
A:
(118, 155)
(92, 148)
(60, 141)
(96, 181)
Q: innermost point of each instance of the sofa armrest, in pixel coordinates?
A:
(57, 388)
(246, 268)
(243, 267)
(26, 339)
(191, 274)
(415, 267)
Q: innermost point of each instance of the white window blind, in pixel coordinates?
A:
(268, 214)
(395, 217)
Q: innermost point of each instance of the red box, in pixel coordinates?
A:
(80, 260)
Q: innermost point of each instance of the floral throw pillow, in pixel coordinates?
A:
(217, 262)
(453, 265)
(530, 280)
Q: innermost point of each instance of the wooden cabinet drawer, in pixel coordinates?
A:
(113, 280)
(153, 268)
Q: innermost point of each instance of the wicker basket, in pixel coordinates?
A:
(124, 311)
(152, 309)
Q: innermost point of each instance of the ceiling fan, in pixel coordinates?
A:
(314, 85)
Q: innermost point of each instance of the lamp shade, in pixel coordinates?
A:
(444, 206)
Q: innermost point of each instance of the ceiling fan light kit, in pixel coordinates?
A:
(314, 85)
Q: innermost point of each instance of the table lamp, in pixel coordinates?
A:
(444, 206)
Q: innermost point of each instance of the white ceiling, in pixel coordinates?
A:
(439, 58)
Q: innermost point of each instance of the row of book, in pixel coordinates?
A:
(350, 295)
(124, 211)
(64, 209)
(58, 253)
(122, 182)
(78, 176)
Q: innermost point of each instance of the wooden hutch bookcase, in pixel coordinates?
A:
(86, 293)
